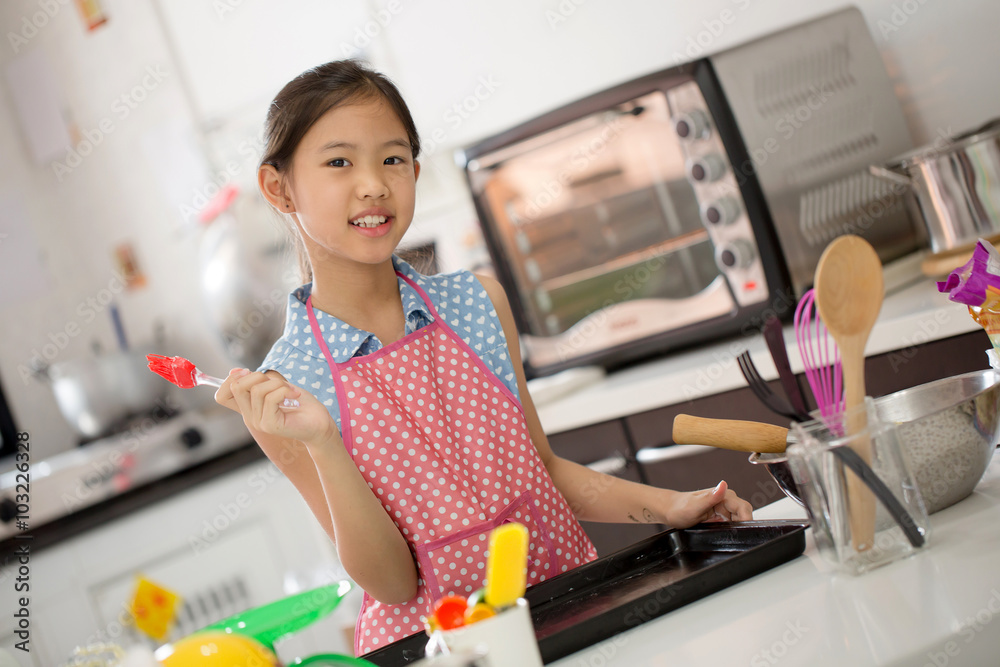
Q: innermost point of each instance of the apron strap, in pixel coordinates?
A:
(422, 293)
(345, 417)
(338, 383)
(322, 339)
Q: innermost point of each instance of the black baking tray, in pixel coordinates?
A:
(646, 580)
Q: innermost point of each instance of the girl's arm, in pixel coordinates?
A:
(306, 446)
(594, 496)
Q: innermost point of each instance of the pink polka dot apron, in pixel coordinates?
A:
(445, 447)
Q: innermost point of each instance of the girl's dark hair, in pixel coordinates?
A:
(311, 94)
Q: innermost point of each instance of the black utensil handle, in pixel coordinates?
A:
(775, 339)
(763, 392)
(852, 460)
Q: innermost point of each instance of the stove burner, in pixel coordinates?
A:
(137, 423)
(145, 449)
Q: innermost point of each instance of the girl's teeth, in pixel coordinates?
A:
(369, 221)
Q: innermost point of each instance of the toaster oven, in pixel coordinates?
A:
(692, 203)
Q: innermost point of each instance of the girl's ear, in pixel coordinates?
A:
(272, 186)
(416, 170)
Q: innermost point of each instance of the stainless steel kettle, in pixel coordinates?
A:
(246, 275)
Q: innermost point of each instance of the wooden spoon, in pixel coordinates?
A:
(849, 293)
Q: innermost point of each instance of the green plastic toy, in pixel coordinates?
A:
(279, 619)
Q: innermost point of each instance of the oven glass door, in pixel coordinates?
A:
(599, 212)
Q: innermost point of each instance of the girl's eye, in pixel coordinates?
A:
(395, 160)
(337, 162)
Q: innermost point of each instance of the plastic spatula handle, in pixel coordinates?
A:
(506, 565)
(271, 622)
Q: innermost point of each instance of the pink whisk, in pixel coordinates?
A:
(820, 356)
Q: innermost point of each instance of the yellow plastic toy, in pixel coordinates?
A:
(506, 565)
(154, 608)
(219, 649)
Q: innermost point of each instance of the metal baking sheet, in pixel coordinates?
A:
(639, 583)
(654, 577)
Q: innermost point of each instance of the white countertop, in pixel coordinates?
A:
(939, 607)
(912, 315)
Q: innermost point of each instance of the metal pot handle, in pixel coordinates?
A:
(889, 175)
(988, 126)
(669, 452)
(613, 465)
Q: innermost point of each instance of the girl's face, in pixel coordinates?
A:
(352, 184)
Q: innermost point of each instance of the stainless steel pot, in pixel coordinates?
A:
(955, 184)
(95, 394)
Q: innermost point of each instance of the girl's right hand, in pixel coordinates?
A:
(260, 398)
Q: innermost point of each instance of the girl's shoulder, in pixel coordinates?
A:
(302, 367)
(455, 290)
(287, 355)
(430, 279)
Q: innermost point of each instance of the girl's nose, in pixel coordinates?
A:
(371, 183)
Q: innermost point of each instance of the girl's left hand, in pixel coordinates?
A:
(718, 504)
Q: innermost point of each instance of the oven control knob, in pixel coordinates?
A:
(692, 125)
(533, 271)
(192, 437)
(720, 212)
(8, 510)
(738, 254)
(523, 242)
(706, 168)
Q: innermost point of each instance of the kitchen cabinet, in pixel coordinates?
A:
(685, 468)
(241, 540)
(703, 467)
(214, 583)
(605, 447)
(909, 367)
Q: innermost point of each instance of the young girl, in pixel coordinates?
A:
(415, 435)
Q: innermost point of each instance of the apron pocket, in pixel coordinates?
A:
(456, 564)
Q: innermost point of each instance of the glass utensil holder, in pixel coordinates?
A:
(853, 530)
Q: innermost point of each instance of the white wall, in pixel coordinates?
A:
(941, 55)
(111, 197)
(506, 62)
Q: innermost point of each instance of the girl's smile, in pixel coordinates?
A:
(373, 222)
